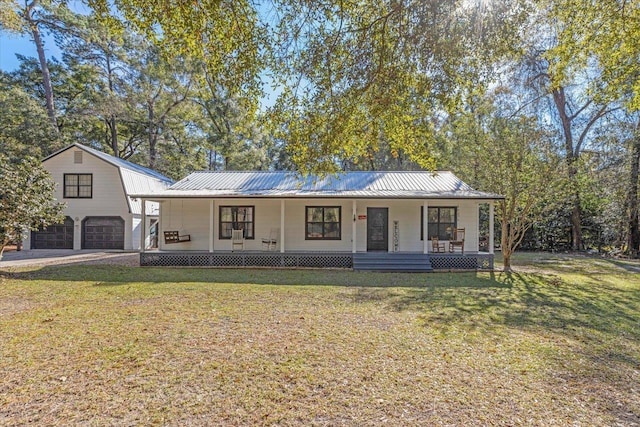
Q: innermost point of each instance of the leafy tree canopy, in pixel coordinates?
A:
(607, 31)
(352, 75)
(225, 35)
(26, 199)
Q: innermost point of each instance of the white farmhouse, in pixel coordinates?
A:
(392, 221)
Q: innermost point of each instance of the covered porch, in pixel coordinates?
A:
(362, 234)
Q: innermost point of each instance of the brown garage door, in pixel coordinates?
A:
(57, 236)
(103, 232)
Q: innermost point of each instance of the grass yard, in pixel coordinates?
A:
(555, 343)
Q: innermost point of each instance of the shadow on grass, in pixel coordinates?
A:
(106, 275)
(597, 322)
(602, 321)
(524, 299)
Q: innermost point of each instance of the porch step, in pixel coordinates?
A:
(392, 261)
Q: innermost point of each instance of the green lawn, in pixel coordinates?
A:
(557, 342)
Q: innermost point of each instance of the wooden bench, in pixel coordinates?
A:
(175, 237)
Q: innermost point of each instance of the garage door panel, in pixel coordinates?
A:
(57, 236)
(103, 233)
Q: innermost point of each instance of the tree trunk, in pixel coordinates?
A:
(505, 245)
(634, 225)
(44, 67)
(152, 138)
(576, 223)
(571, 156)
(113, 133)
(113, 125)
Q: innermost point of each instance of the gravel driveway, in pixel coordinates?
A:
(39, 257)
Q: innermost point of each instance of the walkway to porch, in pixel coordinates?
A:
(360, 261)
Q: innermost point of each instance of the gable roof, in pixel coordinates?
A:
(115, 161)
(135, 178)
(443, 184)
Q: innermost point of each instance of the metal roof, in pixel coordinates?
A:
(116, 161)
(442, 184)
(135, 178)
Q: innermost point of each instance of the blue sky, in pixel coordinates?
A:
(10, 45)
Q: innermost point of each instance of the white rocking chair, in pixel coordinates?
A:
(237, 239)
(271, 242)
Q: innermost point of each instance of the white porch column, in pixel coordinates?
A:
(159, 229)
(211, 223)
(353, 229)
(77, 233)
(425, 227)
(491, 225)
(282, 226)
(143, 225)
(478, 205)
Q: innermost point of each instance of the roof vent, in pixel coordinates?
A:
(77, 157)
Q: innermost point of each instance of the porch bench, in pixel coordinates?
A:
(176, 237)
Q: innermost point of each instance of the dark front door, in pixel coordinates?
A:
(377, 229)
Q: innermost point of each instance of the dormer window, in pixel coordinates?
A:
(78, 186)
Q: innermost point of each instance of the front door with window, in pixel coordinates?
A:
(153, 233)
(377, 229)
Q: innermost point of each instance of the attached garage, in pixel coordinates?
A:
(103, 232)
(57, 236)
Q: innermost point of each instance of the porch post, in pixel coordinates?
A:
(478, 204)
(425, 227)
(491, 220)
(159, 230)
(282, 226)
(353, 229)
(211, 214)
(143, 225)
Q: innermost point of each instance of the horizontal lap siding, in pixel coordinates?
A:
(108, 193)
(407, 213)
(187, 217)
(295, 232)
(192, 217)
(468, 219)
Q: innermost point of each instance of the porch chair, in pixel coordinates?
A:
(237, 239)
(436, 245)
(458, 240)
(270, 242)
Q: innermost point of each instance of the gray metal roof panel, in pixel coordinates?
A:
(443, 184)
(121, 163)
(118, 162)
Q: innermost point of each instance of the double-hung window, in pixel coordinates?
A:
(441, 222)
(78, 185)
(237, 218)
(323, 223)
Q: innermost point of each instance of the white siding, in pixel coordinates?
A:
(108, 193)
(295, 232)
(191, 216)
(136, 230)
